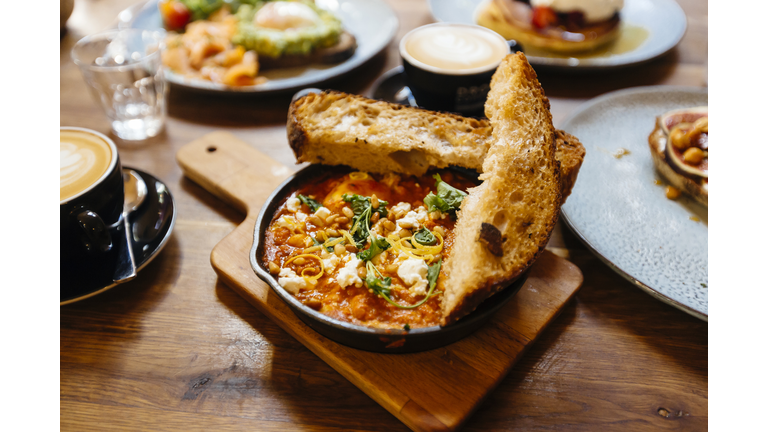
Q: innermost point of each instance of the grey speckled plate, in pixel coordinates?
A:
(663, 20)
(620, 212)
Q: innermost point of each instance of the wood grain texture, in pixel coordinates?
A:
(177, 349)
(433, 390)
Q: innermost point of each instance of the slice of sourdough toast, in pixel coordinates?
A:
(505, 223)
(337, 128)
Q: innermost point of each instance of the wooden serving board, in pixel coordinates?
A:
(432, 390)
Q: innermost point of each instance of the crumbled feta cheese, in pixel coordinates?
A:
(293, 204)
(330, 263)
(401, 207)
(301, 216)
(409, 221)
(348, 274)
(421, 214)
(290, 281)
(323, 213)
(286, 221)
(414, 273)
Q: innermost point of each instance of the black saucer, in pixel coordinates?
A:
(151, 225)
(391, 87)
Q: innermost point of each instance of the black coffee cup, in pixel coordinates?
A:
(90, 229)
(462, 91)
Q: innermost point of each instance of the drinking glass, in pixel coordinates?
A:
(124, 70)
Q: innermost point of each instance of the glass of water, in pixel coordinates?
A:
(124, 71)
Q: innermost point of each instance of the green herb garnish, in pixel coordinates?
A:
(378, 245)
(447, 200)
(703, 285)
(361, 222)
(407, 327)
(313, 205)
(424, 237)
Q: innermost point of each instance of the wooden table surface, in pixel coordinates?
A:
(176, 349)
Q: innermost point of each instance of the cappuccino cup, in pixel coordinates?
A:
(90, 210)
(449, 66)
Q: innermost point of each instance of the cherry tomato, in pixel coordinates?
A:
(175, 14)
(543, 17)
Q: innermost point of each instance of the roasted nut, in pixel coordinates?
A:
(375, 217)
(329, 219)
(341, 220)
(331, 233)
(391, 216)
(348, 212)
(391, 268)
(693, 155)
(362, 272)
(702, 124)
(339, 249)
(672, 193)
(388, 225)
(374, 201)
(679, 139)
(316, 220)
(435, 215)
(440, 230)
(274, 268)
(358, 284)
(296, 240)
(299, 261)
(351, 248)
(403, 233)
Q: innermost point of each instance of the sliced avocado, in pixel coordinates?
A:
(275, 43)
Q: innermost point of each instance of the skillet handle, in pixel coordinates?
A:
(232, 170)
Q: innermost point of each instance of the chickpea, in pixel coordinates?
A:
(672, 193)
(702, 124)
(362, 272)
(679, 139)
(296, 240)
(339, 249)
(693, 156)
(348, 212)
(274, 268)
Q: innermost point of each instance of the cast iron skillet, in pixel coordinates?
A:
(356, 336)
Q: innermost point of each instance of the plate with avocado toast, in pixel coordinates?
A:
(212, 44)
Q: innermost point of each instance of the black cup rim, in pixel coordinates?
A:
(110, 168)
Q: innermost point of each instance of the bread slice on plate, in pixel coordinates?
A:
(505, 223)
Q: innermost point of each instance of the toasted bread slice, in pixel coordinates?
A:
(343, 50)
(505, 223)
(329, 127)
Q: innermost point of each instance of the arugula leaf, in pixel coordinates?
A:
(313, 205)
(424, 237)
(447, 199)
(378, 245)
(432, 272)
(379, 286)
(319, 243)
(361, 222)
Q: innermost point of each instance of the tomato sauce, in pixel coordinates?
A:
(289, 245)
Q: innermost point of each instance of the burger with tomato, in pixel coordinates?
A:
(562, 26)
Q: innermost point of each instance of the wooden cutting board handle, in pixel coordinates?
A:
(232, 170)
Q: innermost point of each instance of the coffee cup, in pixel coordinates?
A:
(90, 210)
(449, 66)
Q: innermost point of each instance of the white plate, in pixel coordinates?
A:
(663, 20)
(619, 211)
(372, 22)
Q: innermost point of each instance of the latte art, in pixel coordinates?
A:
(84, 159)
(456, 48)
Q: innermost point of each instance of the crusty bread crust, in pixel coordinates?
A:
(520, 194)
(658, 142)
(437, 139)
